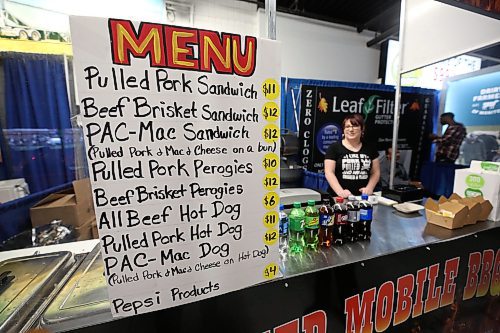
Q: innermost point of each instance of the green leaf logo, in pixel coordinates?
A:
(369, 105)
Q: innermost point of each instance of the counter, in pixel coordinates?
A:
(321, 280)
(392, 232)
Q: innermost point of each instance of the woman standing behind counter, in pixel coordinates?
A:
(351, 166)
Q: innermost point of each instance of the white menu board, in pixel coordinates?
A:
(181, 128)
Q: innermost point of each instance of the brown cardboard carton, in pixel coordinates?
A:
(73, 207)
(442, 199)
(455, 196)
(449, 214)
(474, 211)
(486, 207)
(95, 234)
(474, 208)
(84, 231)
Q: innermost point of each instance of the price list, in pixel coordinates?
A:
(270, 134)
(182, 137)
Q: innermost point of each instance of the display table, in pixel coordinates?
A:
(392, 232)
(311, 282)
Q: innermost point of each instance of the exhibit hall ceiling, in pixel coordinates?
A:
(378, 16)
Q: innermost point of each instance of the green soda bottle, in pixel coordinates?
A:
(296, 229)
(311, 225)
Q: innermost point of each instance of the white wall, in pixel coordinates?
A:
(316, 50)
(310, 49)
(443, 31)
(226, 15)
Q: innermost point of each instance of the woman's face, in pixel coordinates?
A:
(352, 132)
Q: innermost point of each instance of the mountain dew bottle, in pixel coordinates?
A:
(296, 229)
(311, 225)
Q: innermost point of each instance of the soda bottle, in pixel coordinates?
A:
(296, 229)
(352, 220)
(311, 225)
(326, 219)
(365, 218)
(339, 222)
(283, 227)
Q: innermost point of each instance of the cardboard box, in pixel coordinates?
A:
(456, 211)
(448, 214)
(73, 207)
(84, 231)
(486, 207)
(474, 208)
(439, 232)
(481, 179)
(95, 234)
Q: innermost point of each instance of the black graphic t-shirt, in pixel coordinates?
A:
(352, 169)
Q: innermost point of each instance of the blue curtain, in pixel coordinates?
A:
(37, 119)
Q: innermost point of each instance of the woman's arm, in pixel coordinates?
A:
(332, 179)
(374, 177)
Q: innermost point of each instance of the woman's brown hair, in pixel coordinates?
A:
(356, 120)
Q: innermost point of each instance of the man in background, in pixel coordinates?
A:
(448, 145)
(400, 174)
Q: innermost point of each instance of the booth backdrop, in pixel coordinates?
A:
(320, 107)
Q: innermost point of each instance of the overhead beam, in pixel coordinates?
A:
(490, 52)
(485, 57)
(294, 6)
(391, 32)
(303, 13)
(387, 13)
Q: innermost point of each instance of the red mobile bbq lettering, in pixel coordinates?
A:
(403, 307)
(478, 284)
(314, 322)
(385, 301)
(433, 292)
(449, 286)
(183, 48)
(472, 275)
(485, 277)
(290, 327)
(495, 279)
(373, 312)
(359, 317)
(418, 308)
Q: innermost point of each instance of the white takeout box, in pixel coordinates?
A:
(481, 179)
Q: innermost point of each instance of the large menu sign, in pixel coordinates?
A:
(181, 129)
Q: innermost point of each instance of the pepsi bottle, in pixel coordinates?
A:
(365, 218)
(283, 228)
(339, 222)
(352, 221)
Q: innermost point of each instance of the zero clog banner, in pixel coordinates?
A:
(323, 110)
